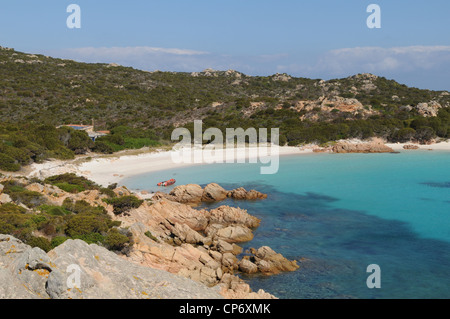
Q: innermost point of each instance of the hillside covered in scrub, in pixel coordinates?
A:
(39, 93)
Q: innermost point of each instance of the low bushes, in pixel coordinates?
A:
(114, 240)
(54, 210)
(85, 224)
(7, 163)
(71, 183)
(40, 242)
(124, 204)
(49, 226)
(21, 195)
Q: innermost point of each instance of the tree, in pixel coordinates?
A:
(404, 135)
(425, 134)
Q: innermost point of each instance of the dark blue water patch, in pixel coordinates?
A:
(438, 185)
(335, 246)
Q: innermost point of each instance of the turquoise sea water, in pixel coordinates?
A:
(338, 214)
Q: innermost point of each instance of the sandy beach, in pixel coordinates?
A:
(442, 146)
(112, 169)
(106, 170)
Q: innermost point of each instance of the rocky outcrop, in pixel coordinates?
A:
(77, 270)
(266, 261)
(4, 198)
(214, 193)
(242, 194)
(198, 244)
(212, 265)
(187, 194)
(168, 236)
(193, 194)
(369, 147)
(430, 109)
(411, 147)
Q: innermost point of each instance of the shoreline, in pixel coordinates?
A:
(109, 169)
(113, 169)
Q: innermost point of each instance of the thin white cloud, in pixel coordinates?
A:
(377, 59)
(411, 64)
(141, 57)
(130, 51)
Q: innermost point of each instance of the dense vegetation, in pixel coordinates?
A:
(38, 93)
(294, 131)
(31, 218)
(25, 143)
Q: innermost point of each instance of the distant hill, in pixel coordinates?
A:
(44, 90)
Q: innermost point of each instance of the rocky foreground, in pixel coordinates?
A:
(28, 273)
(202, 244)
(178, 251)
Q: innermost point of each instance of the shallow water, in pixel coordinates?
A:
(338, 214)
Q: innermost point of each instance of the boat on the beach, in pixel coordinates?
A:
(167, 183)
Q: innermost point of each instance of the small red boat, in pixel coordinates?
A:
(167, 183)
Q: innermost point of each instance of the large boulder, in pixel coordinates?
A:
(76, 270)
(23, 270)
(235, 234)
(187, 194)
(5, 198)
(410, 147)
(246, 266)
(270, 262)
(430, 109)
(371, 147)
(214, 193)
(242, 194)
(193, 194)
(227, 215)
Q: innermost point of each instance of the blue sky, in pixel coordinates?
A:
(317, 39)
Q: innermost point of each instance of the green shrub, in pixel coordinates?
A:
(79, 142)
(425, 134)
(54, 210)
(58, 240)
(124, 204)
(137, 143)
(70, 188)
(81, 225)
(404, 135)
(28, 198)
(114, 240)
(6, 228)
(22, 195)
(103, 147)
(37, 221)
(40, 242)
(82, 207)
(71, 183)
(150, 235)
(12, 208)
(7, 163)
(91, 238)
(108, 192)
